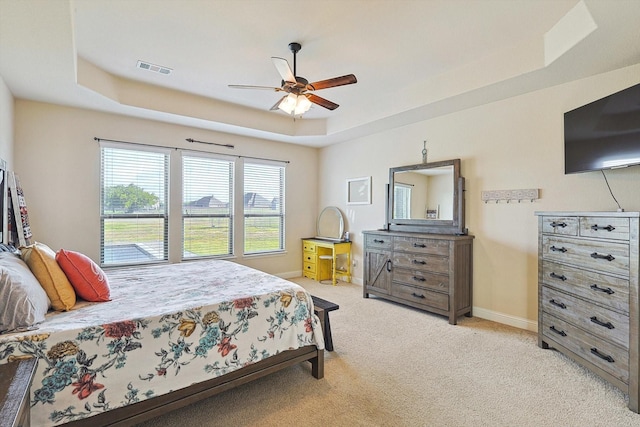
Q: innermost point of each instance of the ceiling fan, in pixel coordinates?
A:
(299, 90)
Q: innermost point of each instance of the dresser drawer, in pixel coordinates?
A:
(308, 246)
(602, 289)
(310, 267)
(600, 256)
(602, 322)
(417, 261)
(606, 356)
(567, 226)
(421, 296)
(378, 242)
(309, 256)
(421, 279)
(423, 246)
(605, 227)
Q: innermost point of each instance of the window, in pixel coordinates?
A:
(207, 206)
(264, 209)
(133, 206)
(402, 201)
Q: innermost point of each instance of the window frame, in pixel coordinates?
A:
(164, 215)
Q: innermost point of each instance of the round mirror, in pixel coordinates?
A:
(330, 223)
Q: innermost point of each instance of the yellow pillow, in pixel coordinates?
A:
(42, 262)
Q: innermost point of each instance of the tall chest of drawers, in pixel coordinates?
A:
(431, 272)
(588, 300)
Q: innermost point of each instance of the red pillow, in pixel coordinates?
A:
(86, 277)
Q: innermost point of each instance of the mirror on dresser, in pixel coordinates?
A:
(426, 197)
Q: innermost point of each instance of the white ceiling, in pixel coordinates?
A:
(414, 59)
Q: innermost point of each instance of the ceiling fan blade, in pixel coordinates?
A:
(336, 81)
(321, 101)
(277, 104)
(276, 89)
(283, 68)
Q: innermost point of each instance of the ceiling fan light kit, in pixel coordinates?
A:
(299, 98)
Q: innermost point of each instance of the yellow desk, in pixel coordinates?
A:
(314, 269)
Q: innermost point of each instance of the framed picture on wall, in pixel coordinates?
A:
(359, 191)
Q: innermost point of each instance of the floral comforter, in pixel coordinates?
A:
(166, 328)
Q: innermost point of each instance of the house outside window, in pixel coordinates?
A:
(207, 206)
(264, 207)
(133, 205)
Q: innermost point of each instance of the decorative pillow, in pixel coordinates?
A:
(86, 277)
(42, 262)
(23, 302)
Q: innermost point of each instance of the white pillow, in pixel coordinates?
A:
(23, 302)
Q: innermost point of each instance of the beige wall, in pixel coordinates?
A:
(511, 144)
(58, 163)
(6, 123)
(516, 143)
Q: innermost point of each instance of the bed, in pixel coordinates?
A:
(171, 335)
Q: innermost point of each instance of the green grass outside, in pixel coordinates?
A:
(202, 236)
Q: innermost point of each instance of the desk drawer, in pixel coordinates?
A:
(308, 246)
(309, 256)
(310, 267)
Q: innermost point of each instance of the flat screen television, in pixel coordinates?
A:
(604, 134)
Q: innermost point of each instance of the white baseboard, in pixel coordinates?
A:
(516, 322)
(291, 274)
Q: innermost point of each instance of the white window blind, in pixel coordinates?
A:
(264, 207)
(133, 208)
(207, 206)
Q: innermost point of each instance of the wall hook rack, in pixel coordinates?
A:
(529, 194)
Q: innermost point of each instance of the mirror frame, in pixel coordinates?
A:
(455, 226)
(327, 211)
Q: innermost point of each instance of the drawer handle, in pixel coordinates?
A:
(605, 290)
(417, 296)
(558, 276)
(562, 249)
(558, 224)
(596, 255)
(607, 325)
(608, 227)
(602, 356)
(419, 245)
(557, 331)
(378, 241)
(558, 304)
(419, 279)
(308, 267)
(415, 261)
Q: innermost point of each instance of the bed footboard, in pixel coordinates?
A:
(147, 409)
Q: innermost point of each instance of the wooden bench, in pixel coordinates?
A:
(15, 383)
(321, 308)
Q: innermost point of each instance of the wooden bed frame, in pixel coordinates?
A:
(133, 414)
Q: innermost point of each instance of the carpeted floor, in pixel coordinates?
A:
(395, 366)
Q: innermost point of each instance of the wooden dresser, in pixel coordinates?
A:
(588, 303)
(432, 272)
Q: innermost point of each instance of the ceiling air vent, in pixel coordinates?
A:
(155, 68)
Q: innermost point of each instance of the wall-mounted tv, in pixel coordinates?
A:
(603, 134)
